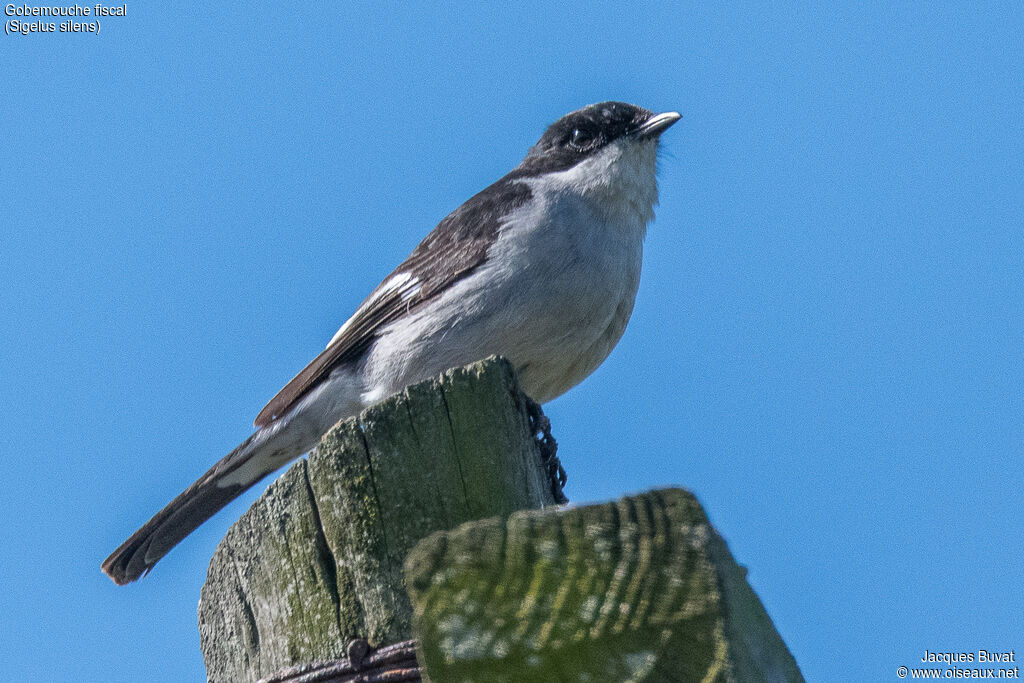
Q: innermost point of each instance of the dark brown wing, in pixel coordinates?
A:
(452, 250)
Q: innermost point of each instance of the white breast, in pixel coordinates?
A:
(556, 291)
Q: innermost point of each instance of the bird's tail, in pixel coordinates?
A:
(254, 459)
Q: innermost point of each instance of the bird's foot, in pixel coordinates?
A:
(541, 426)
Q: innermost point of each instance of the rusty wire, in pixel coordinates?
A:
(389, 664)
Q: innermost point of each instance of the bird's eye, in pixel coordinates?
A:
(580, 139)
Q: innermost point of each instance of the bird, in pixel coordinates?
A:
(541, 267)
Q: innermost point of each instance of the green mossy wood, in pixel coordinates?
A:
(317, 560)
(641, 589)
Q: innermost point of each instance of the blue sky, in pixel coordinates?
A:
(826, 347)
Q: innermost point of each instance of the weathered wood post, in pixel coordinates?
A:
(420, 494)
(641, 589)
(317, 561)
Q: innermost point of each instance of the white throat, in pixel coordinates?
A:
(620, 181)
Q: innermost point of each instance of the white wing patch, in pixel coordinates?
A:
(406, 284)
(397, 282)
(412, 290)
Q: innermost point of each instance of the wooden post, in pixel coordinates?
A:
(309, 584)
(317, 561)
(641, 589)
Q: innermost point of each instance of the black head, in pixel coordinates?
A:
(585, 131)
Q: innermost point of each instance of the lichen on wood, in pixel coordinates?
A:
(641, 589)
(317, 561)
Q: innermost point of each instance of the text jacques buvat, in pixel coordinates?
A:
(29, 18)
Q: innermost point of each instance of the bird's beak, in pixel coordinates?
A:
(657, 125)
